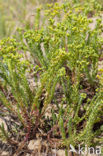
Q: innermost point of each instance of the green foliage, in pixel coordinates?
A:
(64, 56)
(13, 78)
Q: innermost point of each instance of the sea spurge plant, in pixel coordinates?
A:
(63, 66)
(50, 78)
(72, 32)
(14, 81)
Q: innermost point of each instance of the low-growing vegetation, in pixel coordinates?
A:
(51, 84)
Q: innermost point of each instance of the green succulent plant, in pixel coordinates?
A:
(64, 53)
